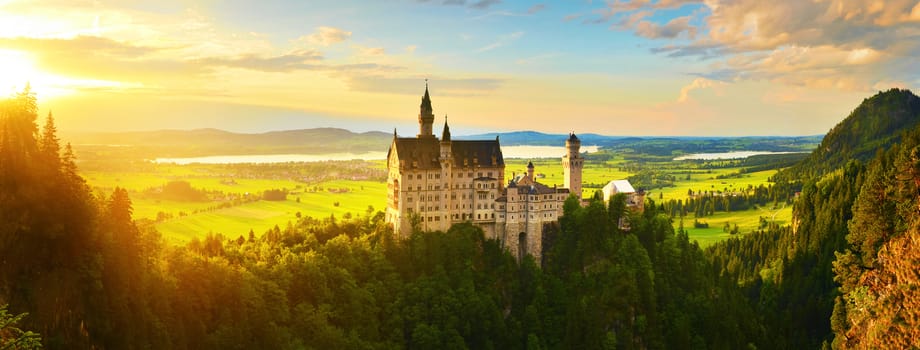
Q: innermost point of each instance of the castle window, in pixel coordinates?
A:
(493, 215)
(471, 174)
(493, 185)
(492, 195)
(408, 210)
(419, 176)
(479, 174)
(419, 188)
(490, 174)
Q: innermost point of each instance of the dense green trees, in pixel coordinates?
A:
(824, 281)
(90, 276)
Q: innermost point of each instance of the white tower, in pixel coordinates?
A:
(572, 163)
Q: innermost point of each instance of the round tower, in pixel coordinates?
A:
(572, 163)
(530, 170)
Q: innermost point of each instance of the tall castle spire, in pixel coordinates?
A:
(445, 135)
(425, 115)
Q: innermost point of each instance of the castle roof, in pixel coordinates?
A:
(426, 152)
(619, 186)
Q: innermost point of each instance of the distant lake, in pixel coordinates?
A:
(507, 152)
(727, 155)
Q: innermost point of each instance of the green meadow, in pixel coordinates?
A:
(181, 221)
(262, 215)
(596, 174)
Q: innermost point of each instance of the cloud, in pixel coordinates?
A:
(572, 17)
(82, 44)
(102, 58)
(671, 29)
(698, 83)
(841, 44)
(372, 51)
(502, 41)
(479, 5)
(326, 36)
(411, 48)
(536, 8)
(415, 86)
(297, 60)
(484, 4)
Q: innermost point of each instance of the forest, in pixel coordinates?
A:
(77, 271)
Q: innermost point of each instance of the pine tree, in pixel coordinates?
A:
(50, 144)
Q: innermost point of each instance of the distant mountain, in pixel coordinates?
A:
(660, 145)
(534, 138)
(876, 123)
(198, 142)
(205, 142)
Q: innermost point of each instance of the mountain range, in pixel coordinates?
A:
(204, 142)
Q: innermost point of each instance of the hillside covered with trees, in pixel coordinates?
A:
(89, 276)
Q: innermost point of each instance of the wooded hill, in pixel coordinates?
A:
(845, 274)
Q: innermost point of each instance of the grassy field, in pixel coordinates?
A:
(700, 180)
(262, 215)
(195, 219)
(747, 221)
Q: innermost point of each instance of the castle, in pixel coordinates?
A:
(435, 183)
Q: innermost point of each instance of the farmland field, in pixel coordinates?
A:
(331, 188)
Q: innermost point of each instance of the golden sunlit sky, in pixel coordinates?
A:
(643, 68)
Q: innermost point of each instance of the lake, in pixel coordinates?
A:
(727, 155)
(507, 152)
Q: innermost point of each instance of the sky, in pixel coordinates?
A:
(621, 67)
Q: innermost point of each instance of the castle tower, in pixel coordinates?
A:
(425, 115)
(530, 170)
(572, 163)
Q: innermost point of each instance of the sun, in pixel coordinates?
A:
(16, 70)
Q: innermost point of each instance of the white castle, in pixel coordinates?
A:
(436, 183)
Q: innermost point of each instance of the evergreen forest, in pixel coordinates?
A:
(77, 271)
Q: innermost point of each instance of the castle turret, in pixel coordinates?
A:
(425, 116)
(572, 163)
(445, 141)
(530, 170)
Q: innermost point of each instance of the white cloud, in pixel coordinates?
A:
(326, 36)
(502, 41)
(698, 83)
(835, 44)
